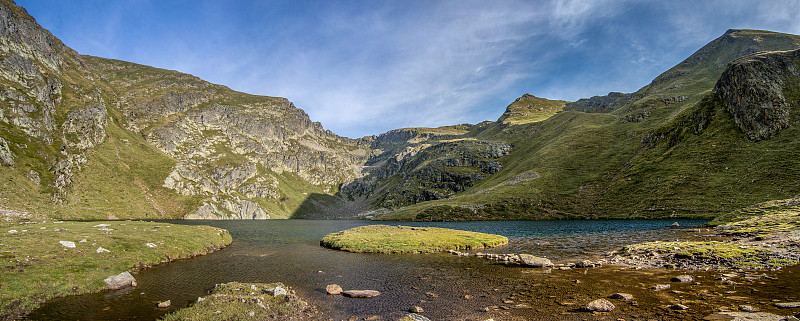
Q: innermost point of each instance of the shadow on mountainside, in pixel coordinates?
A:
(318, 206)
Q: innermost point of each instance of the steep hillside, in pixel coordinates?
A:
(673, 148)
(87, 137)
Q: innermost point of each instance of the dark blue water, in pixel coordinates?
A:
(288, 251)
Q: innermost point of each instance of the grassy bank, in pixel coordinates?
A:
(405, 239)
(237, 301)
(35, 266)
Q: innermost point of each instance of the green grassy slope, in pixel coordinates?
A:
(672, 151)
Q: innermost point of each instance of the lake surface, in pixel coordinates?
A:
(288, 251)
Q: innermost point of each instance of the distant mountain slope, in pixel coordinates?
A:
(87, 137)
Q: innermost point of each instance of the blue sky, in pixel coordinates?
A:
(366, 67)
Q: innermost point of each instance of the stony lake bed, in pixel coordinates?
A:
(446, 286)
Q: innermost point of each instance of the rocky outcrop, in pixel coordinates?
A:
(600, 104)
(753, 90)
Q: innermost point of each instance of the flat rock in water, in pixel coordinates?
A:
(683, 278)
(361, 293)
(747, 316)
(413, 317)
(622, 296)
(600, 305)
(788, 305)
(165, 304)
(119, 281)
(534, 261)
(333, 289)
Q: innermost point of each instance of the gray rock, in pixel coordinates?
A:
(164, 304)
(683, 278)
(333, 289)
(600, 305)
(788, 305)
(622, 296)
(6, 157)
(584, 264)
(747, 308)
(361, 293)
(119, 281)
(534, 261)
(675, 224)
(416, 310)
(68, 244)
(277, 291)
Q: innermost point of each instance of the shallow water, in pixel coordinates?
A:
(288, 251)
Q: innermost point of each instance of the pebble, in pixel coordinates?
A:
(151, 245)
(746, 308)
(101, 250)
(164, 304)
(659, 287)
(416, 310)
(13, 231)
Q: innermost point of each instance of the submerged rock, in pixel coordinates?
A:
(164, 304)
(683, 278)
(622, 296)
(365, 294)
(747, 316)
(119, 281)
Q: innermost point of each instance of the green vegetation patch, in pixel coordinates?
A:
(244, 301)
(45, 260)
(766, 217)
(406, 239)
(709, 249)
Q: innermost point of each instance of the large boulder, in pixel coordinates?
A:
(534, 261)
(119, 281)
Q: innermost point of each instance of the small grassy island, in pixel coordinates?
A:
(43, 260)
(406, 239)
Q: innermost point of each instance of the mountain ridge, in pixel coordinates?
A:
(85, 137)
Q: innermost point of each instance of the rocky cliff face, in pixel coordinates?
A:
(600, 104)
(754, 89)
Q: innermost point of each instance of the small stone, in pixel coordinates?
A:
(164, 304)
(364, 294)
(788, 305)
(68, 244)
(675, 224)
(251, 314)
(151, 245)
(13, 231)
(416, 310)
(600, 305)
(678, 307)
(729, 282)
(60, 230)
(101, 250)
(102, 225)
(746, 308)
(333, 289)
(622, 296)
(659, 287)
(200, 299)
(431, 294)
(83, 241)
(584, 264)
(683, 278)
